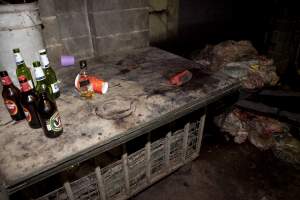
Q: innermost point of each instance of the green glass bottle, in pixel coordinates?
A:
(50, 74)
(22, 69)
(40, 79)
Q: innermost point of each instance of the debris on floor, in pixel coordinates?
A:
(262, 132)
(231, 123)
(239, 60)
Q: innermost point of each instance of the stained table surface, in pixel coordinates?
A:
(139, 96)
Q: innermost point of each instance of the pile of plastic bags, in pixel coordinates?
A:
(263, 132)
(239, 60)
(259, 130)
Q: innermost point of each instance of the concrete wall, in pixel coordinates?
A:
(205, 19)
(158, 20)
(187, 19)
(163, 20)
(51, 30)
(118, 24)
(88, 28)
(212, 21)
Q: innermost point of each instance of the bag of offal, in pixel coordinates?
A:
(217, 56)
(232, 124)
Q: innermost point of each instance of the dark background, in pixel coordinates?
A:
(273, 26)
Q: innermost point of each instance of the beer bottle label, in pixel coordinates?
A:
(54, 123)
(48, 125)
(27, 114)
(55, 87)
(30, 83)
(11, 107)
(6, 80)
(44, 61)
(25, 87)
(39, 74)
(18, 58)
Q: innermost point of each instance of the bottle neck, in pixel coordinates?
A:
(44, 96)
(44, 60)
(83, 72)
(5, 80)
(39, 74)
(19, 59)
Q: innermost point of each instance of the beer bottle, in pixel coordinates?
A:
(29, 103)
(49, 116)
(11, 96)
(22, 69)
(40, 79)
(50, 74)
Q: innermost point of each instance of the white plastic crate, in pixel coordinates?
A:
(157, 162)
(176, 149)
(133, 173)
(85, 188)
(137, 163)
(194, 139)
(114, 181)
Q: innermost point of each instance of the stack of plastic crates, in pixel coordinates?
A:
(138, 170)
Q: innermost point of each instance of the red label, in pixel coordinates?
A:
(25, 87)
(6, 80)
(27, 114)
(11, 107)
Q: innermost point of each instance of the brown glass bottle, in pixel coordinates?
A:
(48, 114)
(11, 96)
(29, 103)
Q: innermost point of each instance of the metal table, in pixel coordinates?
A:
(139, 100)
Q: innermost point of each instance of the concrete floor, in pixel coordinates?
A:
(229, 172)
